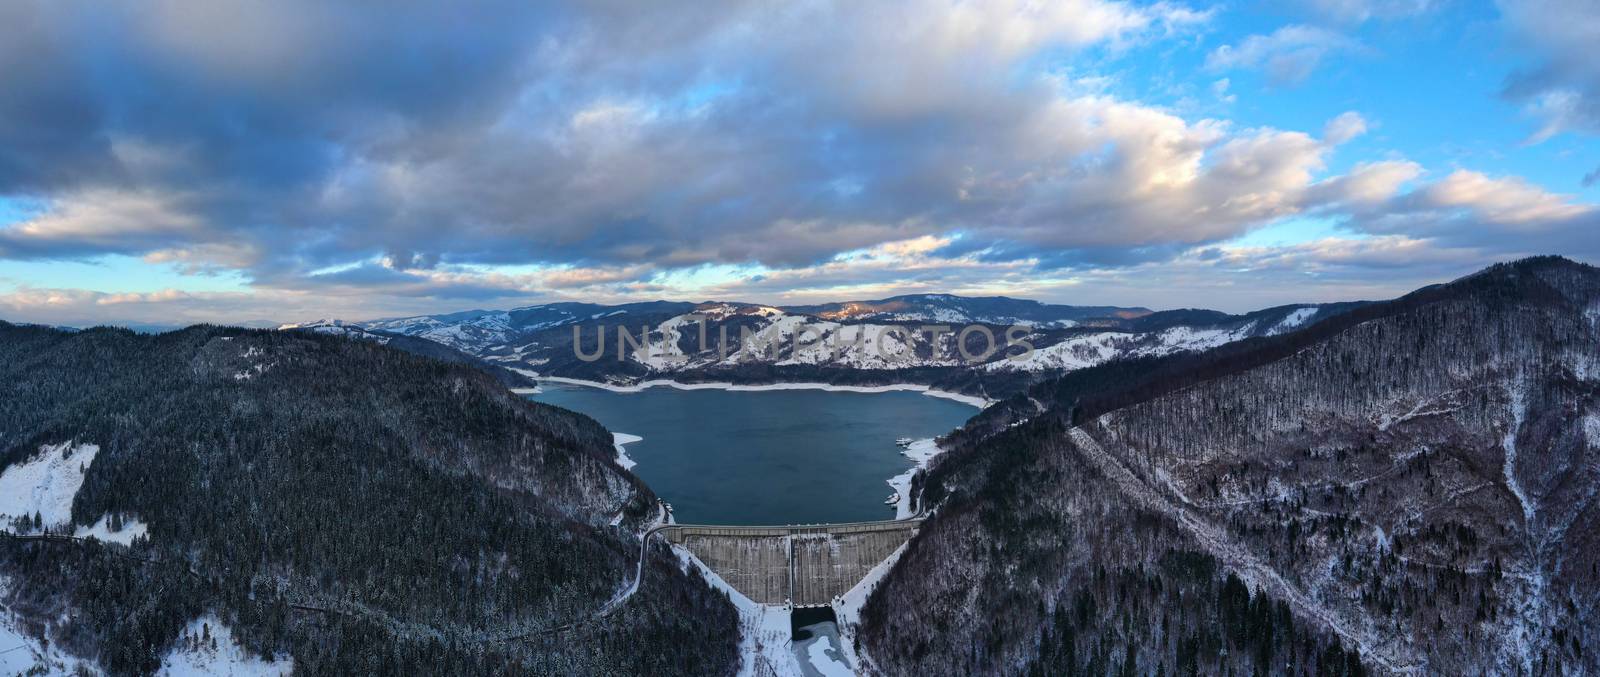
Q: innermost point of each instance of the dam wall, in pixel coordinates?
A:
(806, 565)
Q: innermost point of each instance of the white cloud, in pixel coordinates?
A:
(1499, 217)
(1288, 55)
(1558, 110)
(1507, 200)
(1219, 89)
(1358, 11)
(1346, 126)
(1367, 184)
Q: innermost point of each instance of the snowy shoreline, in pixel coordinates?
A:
(620, 440)
(978, 402)
(920, 452)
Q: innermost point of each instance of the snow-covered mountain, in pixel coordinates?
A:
(1408, 488)
(990, 345)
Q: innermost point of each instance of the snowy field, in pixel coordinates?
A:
(206, 647)
(131, 529)
(45, 484)
(22, 654)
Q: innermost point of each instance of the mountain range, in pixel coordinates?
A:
(989, 346)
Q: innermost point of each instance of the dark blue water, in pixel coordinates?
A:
(767, 457)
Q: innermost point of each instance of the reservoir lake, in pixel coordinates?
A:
(766, 457)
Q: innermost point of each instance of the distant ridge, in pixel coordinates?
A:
(538, 339)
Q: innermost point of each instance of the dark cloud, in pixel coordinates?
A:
(294, 136)
(407, 146)
(1562, 87)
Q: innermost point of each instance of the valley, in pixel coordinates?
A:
(1400, 487)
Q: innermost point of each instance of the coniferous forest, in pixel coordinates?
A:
(1408, 487)
(361, 509)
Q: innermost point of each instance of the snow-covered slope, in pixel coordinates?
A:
(207, 649)
(45, 485)
(22, 652)
(1086, 350)
(338, 328)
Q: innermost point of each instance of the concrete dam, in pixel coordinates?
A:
(800, 565)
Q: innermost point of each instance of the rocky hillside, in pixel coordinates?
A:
(858, 342)
(1408, 488)
(340, 506)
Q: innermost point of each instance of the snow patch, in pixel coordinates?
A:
(1077, 352)
(823, 653)
(1293, 321)
(620, 440)
(1519, 410)
(663, 353)
(1531, 611)
(1591, 428)
(23, 654)
(46, 484)
(1087, 350)
(207, 647)
(131, 528)
(1196, 339)
(525, 372)
(765, 641)
(1388, 420)
(847, 608)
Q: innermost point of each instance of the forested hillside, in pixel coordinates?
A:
(1410, 488)
(358, 508)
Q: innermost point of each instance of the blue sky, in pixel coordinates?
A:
(256, 163)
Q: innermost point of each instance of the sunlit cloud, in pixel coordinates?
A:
(278, 155)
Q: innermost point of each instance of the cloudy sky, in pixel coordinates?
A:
(168, 161)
